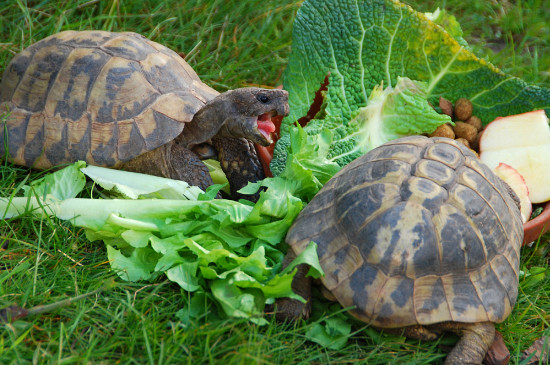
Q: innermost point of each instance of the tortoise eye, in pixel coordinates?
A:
(262, 98)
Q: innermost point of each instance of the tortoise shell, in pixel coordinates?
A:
(417, 231)
(96, 96)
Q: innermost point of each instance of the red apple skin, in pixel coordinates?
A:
(534, 112)
(514, 179)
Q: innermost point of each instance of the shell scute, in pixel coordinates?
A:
(430, 300)
(104, 138)
(401, 240)
(407, 153)
(365, 201)
(362, 284)
(70, 93)
(166, 127)
(113, 96)
(345, 262)
(56, 141)
(35, 136)
(461, 248)
(395, 302)
(361, 290)
(19, 127)
(79, 138)
(435, 171)
(40, 75)
(128, 45)
(131, 143)
(504, 271)
(445, 153)
(464, 303)
(425, 192)
(87, 39)
(492, 293)
(378, 172)
(14, 74)
(167, 74)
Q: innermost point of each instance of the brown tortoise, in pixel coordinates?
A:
(418, 236)
(121, 100)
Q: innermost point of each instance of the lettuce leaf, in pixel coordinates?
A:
(361, 44)
(229, 252)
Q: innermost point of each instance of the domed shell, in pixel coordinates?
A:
(417, 231)
(96, 96)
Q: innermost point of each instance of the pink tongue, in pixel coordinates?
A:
(265, 125)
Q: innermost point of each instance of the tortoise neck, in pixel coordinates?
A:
(206, 123)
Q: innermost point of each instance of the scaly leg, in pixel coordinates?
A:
(292, 309)
(475, 339)
(172, 161)
(240, 163)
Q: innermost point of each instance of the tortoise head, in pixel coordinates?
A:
(240, 113)
(251, 111)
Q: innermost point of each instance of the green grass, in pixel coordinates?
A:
(230, 44)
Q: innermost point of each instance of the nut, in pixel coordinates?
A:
(476, 122)
(446, 106)
(464, 141)
(475, 144)
(463, 109)
(466, 131)
(443, 130)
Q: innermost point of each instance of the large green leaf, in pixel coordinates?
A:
(364, 43)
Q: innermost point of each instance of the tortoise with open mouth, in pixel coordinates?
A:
(120, 100)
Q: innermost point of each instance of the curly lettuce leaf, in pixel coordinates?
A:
(361, 44)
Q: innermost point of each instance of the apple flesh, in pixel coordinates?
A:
(514, 179)
(523, 142)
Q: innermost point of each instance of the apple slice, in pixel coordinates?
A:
(514, 179)
(523, 142)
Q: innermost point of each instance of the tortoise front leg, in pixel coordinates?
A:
(187, 166)
(174, 162)
(240, 163)
(292, 309)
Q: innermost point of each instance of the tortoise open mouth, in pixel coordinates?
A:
(266, 126)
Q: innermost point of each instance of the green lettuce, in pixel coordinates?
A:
(229, 252)
(361, 44)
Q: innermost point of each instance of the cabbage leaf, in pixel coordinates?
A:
(361, 44)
